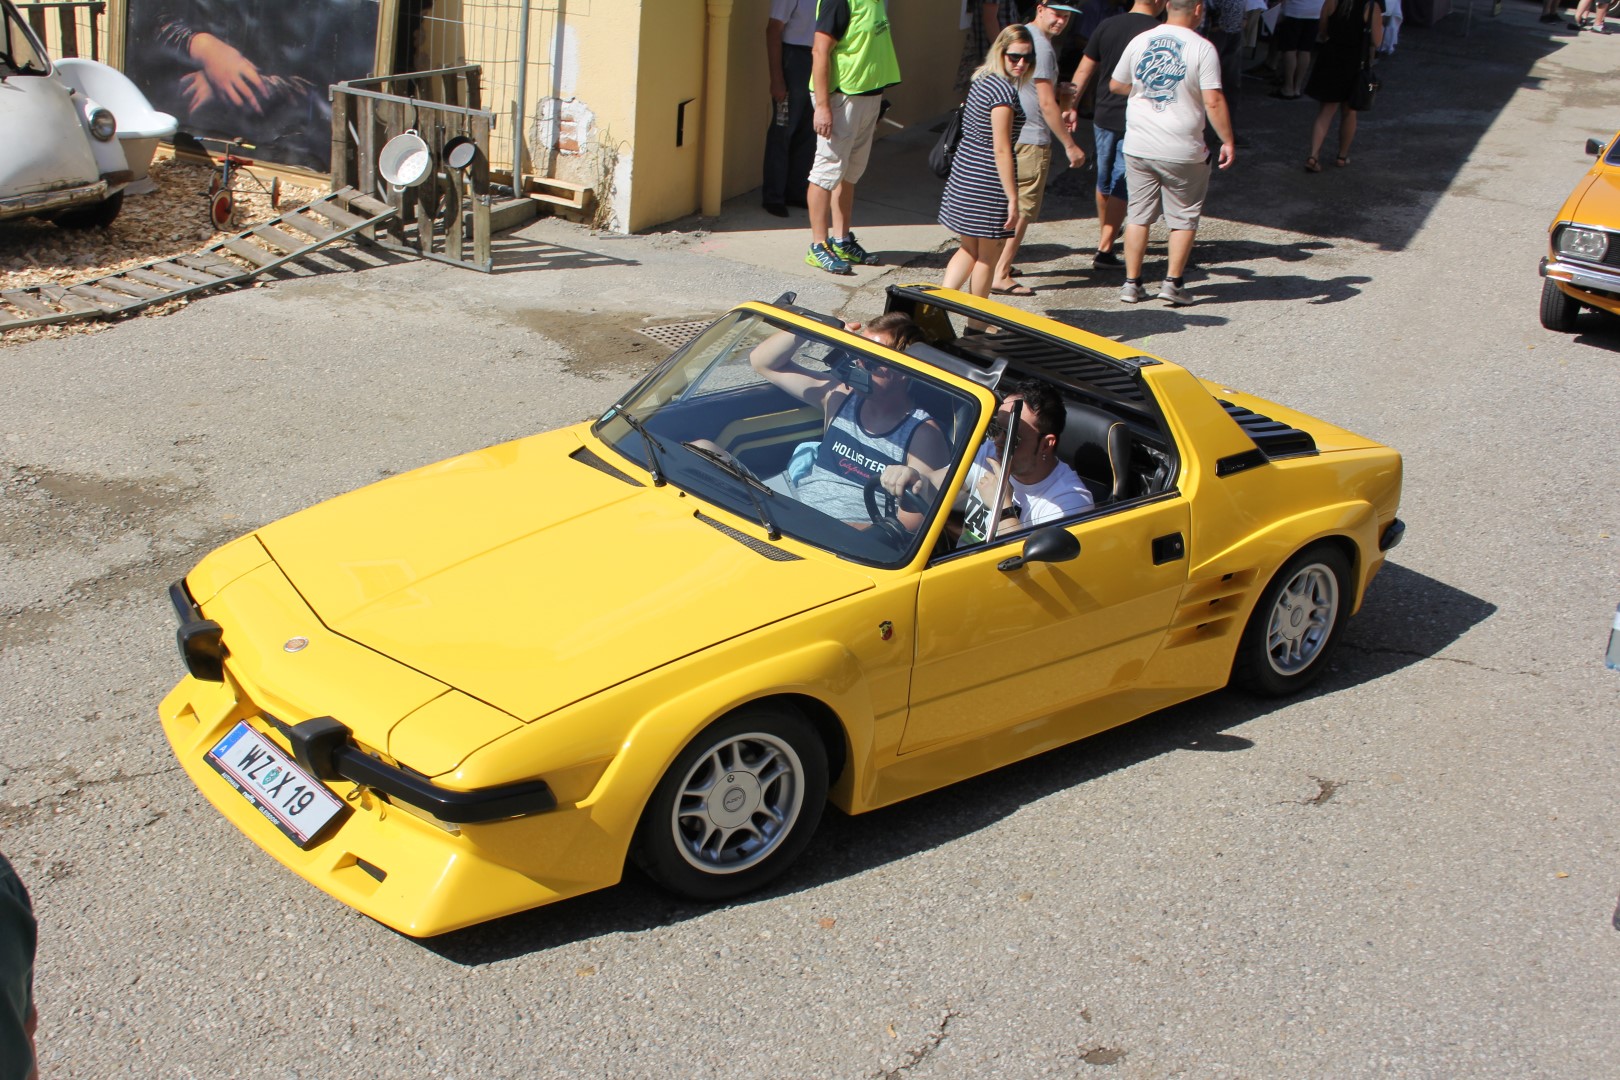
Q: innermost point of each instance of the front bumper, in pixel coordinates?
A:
(43, 202)
(385, 862)
(1602, 281)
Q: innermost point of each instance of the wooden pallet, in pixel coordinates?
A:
(235, 260)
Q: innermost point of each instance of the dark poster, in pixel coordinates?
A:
(254, 69)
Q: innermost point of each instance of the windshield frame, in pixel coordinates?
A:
(699, 376)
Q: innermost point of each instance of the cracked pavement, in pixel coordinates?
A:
(1411, 871)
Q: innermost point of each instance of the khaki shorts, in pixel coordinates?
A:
(842, 158)
(1180, 185)
(1033, 164)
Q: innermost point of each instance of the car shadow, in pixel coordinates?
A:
(1410, 617)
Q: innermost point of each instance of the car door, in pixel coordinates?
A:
(996, 648)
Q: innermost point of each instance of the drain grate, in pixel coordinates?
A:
(674, 335)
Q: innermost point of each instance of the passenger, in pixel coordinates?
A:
(865, 435)
(1044, 488)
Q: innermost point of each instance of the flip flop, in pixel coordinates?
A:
(1014, 290)
(1312, 165)
(1013, 271)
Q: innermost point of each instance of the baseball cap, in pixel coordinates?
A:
(1070, 8)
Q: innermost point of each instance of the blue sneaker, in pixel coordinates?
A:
(850, 250)
(825, 258)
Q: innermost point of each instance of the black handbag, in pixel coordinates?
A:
(944, 151)
(1365, 91)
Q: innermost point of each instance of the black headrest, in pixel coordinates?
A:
(1096, 444)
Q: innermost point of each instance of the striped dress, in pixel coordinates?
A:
(974, 204)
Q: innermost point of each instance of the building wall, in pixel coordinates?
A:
(607, 96)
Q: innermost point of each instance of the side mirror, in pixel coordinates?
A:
(1594, 147)
(1051, 544)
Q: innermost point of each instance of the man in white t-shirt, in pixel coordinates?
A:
(1043, 489)
(1173, 79)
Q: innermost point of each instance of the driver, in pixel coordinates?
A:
(866, 436)
(1044, 488)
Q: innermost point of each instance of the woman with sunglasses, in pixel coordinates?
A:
(981, 196)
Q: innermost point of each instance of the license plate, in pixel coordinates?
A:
(295, 802)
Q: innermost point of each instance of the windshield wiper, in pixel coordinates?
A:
(751, 483)
(652, 447)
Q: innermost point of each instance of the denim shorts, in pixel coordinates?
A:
(1110, 162)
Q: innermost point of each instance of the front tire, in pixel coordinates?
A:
(96, 216)
(1296, 624)
(737, 806)
(1558, 311)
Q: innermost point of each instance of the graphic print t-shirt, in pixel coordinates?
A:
(1168, 69)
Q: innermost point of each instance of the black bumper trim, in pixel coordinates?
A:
(201, 641)
(1393, 534)
(322, 746)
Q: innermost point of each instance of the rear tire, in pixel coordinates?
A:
(1558, 311)
(98, 216)
(1296, 624)
(737, 806)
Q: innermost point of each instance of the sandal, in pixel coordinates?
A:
(1341, 161)
(1312, 165)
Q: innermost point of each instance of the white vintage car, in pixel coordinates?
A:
(62, 158)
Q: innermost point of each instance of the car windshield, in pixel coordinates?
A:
(20, 54)
(793, 430)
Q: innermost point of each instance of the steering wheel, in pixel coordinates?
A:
(883, 508)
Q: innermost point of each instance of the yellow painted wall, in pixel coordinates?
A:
(629, 76)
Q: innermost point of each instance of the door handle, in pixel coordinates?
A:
(1168, 549)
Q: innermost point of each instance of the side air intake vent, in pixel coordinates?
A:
(1275, 440)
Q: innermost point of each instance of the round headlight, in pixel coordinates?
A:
(103, 125)
(1582, 243)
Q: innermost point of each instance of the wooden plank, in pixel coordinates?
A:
(251, 252)
(67, 21)
(119, 283)
(167, 282)
(454, 230)
(371, 206)
(366, 152)
(307, 225)
(280, 239)
(222, 270)
(340, 139)
(482, 252)
(105, 300)
(28, 305)
(328, 208)
(184, 273)
(61, 297)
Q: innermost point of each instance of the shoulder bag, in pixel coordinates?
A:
(944, 151)
(1365, 90)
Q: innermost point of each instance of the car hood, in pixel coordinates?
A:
(46, 145)
(1596, 201)
(530, 578)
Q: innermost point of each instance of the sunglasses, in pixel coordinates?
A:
(1019, 57)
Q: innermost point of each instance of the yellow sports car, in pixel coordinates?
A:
(1582, 265)
(801, 561)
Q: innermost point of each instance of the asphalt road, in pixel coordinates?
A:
(1410, 872)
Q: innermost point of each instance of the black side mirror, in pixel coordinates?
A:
(1594, 147)
(1051, 544)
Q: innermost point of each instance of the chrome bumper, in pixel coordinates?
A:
(40, 202)
(1591, 278)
